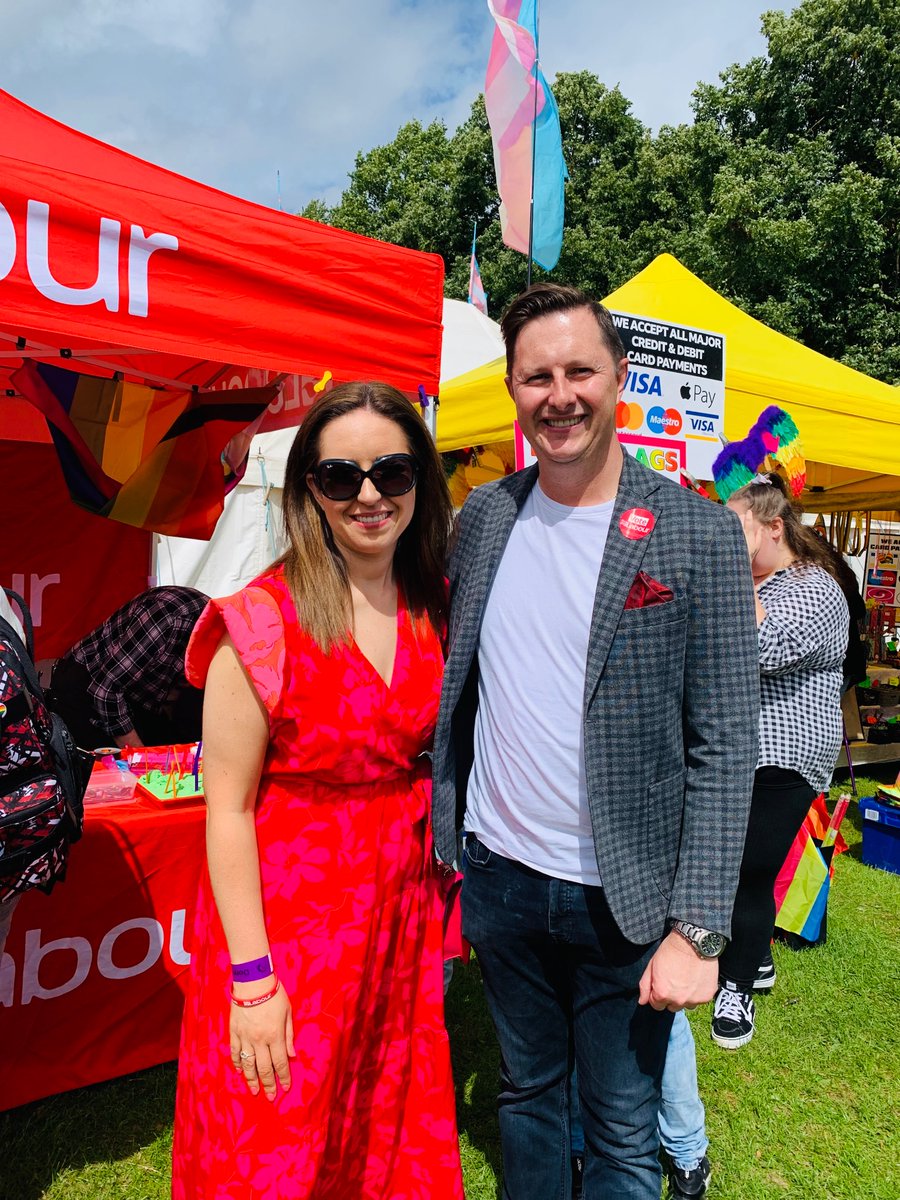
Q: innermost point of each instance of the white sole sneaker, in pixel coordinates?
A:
(732, 1043)
(734, 1018)
(764, 983)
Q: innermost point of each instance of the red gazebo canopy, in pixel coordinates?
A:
(110, 263)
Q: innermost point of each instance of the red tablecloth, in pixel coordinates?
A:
(91, 983)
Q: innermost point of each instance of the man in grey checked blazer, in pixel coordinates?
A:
(597, 739)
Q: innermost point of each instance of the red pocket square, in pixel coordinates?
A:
(646, 591)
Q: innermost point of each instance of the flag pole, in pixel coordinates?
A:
(537, 65)
(472, 259)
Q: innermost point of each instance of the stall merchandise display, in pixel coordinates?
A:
(879, 702)
(169, 774)
(111, 781)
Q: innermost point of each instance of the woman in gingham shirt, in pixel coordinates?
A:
(803, 623)
(803, 626)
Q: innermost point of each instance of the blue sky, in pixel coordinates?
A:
(229, 91)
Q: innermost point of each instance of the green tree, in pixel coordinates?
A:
(804, 220)
(784, 193)
(832, 69)
(426, 190)
(401, 193)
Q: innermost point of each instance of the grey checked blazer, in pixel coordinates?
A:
(671, 700)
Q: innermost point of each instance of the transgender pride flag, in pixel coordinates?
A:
(477, 294)
(509, 97)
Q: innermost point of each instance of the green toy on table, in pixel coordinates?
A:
(177, 780)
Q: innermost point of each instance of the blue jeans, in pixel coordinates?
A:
(562, 985)
(682, 1127)
(682, 1120)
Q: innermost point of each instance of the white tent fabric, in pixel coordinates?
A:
(248, 534)
(470, 339)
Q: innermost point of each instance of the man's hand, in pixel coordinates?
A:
(676, 977)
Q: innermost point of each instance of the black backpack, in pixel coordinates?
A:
(43, 774)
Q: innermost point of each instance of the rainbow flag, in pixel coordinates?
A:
(524, 124)
(802, 886)
(155, 458)
(477, 294)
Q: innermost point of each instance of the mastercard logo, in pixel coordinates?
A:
(629, 416)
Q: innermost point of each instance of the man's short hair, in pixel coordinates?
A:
(542, 299)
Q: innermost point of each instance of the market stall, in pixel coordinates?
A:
(112, 268)
(115, 272)
(850, 423)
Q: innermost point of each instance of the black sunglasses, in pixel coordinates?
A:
(342, 479)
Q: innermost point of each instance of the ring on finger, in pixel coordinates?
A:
(245, 1055)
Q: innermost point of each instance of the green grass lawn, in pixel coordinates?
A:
(807, 1110)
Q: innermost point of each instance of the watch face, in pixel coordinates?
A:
(711, 945)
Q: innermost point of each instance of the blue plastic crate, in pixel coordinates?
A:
(881, 834)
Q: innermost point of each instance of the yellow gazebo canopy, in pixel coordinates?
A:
(849, 423)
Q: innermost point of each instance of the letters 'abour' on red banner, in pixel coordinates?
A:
(99, 971)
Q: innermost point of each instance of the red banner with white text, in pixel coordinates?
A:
(91, 983)
(119, 264)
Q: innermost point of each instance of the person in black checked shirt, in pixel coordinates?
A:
(123, 684)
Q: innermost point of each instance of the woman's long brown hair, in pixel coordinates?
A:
(315, 570)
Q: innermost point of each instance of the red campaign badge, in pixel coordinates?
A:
(636, 523)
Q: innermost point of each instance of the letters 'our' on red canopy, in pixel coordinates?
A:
(122, 265)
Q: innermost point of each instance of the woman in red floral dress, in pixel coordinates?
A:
(314, 1059)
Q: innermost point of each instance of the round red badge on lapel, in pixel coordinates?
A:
(636, 523)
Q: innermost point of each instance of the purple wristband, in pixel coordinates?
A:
(247, 972)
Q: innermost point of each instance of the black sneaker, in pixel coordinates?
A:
(733, 1017)
(690, 1183)
(765, 976)
(578, 1176)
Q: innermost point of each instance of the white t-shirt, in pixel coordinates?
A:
(527, 793)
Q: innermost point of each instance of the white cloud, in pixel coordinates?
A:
(229, 91)
(189, 28)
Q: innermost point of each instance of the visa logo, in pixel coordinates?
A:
(643, 383)
(702, 425)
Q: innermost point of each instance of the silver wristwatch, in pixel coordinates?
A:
(706, 943)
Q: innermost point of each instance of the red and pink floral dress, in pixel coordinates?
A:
(353, 910)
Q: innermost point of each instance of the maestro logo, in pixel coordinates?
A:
(664, 420)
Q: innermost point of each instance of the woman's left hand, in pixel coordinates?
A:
(753, 532)
(262, 1043)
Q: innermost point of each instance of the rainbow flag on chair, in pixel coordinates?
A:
(154, 458)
